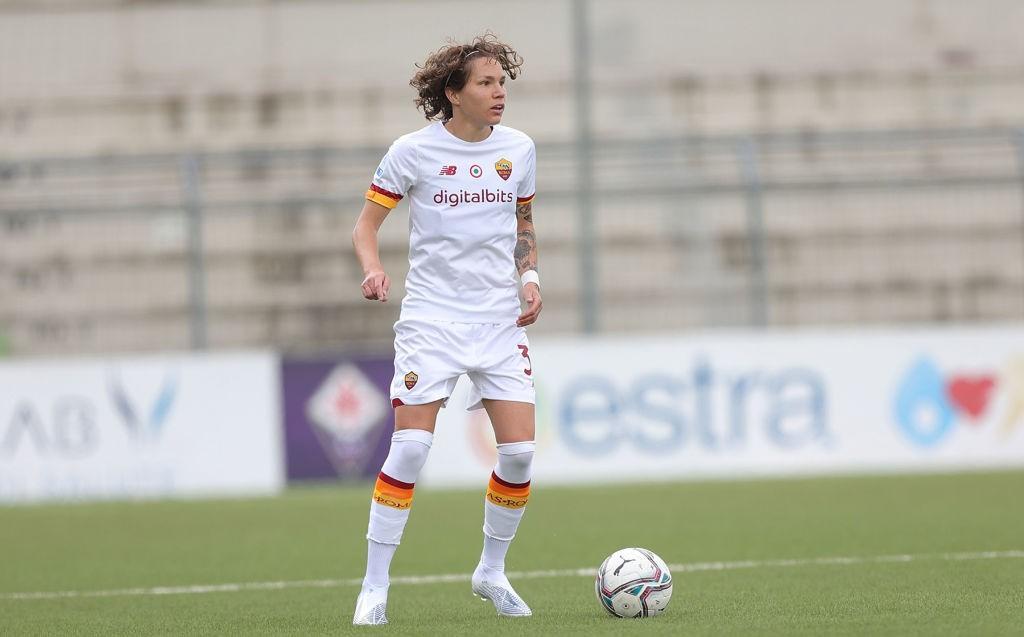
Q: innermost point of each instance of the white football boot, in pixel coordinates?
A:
(371, 607)
(493, 585)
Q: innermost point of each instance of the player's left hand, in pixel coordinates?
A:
(531, 294)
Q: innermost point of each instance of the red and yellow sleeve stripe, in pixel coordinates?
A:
(507, 494)
(521, 200)
(384, 197)
(392, 493)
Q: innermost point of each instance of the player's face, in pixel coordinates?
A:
(482, 99)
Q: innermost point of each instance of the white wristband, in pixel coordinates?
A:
(530, 276)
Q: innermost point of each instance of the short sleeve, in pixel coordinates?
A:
(395, 175)
(527, 185)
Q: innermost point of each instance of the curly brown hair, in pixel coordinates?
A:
(447, 68)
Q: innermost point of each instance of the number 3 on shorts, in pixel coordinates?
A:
(526, 354)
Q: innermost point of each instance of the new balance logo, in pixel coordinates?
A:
(448, 171)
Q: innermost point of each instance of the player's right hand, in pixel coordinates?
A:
(376, 286)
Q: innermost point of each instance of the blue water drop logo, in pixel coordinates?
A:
(923, 411)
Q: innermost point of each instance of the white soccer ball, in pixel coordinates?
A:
(633, 583)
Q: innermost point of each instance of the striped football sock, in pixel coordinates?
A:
(507, 494)
(392, 499)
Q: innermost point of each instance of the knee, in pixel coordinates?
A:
(516, 460)
(412, 455)
(413, 447)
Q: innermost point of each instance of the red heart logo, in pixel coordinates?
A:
(970, 395)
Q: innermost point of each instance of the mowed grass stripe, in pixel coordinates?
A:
(461, 577)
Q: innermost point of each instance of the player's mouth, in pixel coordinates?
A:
(498, 109)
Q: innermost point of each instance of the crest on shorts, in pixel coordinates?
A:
(410, 380)
(504, 168)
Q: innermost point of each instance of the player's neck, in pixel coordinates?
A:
(467, 131)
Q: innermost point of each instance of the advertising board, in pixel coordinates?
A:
(723, 405)
(160, 426)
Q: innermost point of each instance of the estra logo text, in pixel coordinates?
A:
(456, 197)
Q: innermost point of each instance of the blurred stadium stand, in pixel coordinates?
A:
(178, 175)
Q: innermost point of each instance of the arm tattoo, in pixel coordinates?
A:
(525, 211)
(526, 242)
(526, 251)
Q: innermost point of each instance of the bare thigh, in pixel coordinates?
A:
(513, 421)
(417, 416)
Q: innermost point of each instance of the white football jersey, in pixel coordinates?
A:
(462, 220)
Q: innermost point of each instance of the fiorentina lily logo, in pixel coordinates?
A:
(347, 405)
(345, 412)
(504, 168)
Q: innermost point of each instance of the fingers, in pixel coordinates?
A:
(376, 286)
(527, 318)
(367, 288)
(533, 307)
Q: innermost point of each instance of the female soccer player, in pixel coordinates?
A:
(470, 182)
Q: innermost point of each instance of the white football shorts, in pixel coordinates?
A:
(431, 355)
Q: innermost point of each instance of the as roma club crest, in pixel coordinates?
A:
(504, 168)
(410, 380)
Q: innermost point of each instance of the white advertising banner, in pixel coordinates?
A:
(750, 404)
(163, 426)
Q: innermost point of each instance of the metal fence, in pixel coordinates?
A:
(128, 253)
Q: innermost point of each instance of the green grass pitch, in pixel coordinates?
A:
(317, 534)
